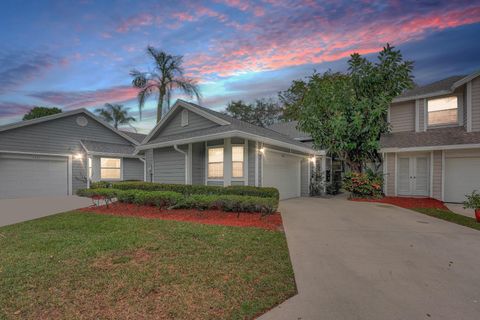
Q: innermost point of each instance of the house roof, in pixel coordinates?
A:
(100, 147)
(137, 136)
(229, 125)
(431, 138)
(24, 123)
(290, 129)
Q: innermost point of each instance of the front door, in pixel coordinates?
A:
(413, 176)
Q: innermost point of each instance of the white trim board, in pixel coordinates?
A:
(432, 148)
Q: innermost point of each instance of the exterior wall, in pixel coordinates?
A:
(195, 122)
(390, 174)
(149, 164)
(476, 104)
(402, 116)
(421, 115)
(133, 169)
(60, 136)
(252, 151)
(437, 175)
(198, 163)
(304, 177)
(169, 166)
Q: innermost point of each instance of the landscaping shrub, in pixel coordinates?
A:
(364, 185)
(100, 185)
(105, 194)
(264, 192)
(161, 199)
(230, 203)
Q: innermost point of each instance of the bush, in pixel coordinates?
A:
(473, 201)
(364, 185)
(198, 189)
(105, 194)
(100, 185)
(231, 203)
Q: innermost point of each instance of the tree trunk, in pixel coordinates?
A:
(354, 166)
(160, 107)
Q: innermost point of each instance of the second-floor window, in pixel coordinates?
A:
(443, 111)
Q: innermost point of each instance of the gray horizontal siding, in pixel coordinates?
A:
(238, 183)
(195, 122)
(402, 116)
(215, 183)
(251, 162)
(149, 164)
(169, 166)
(476, 104)
(198, 163)
(133, 169)
(304, 177)
(60, 136)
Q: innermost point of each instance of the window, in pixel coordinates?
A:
(215, 162)
(443, 111)
(90, 168)
(237, 161)
(184, 118)
(110, 169)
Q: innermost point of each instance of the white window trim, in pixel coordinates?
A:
(245, 156)
(121, 169)
(444, 125)
(207, 178)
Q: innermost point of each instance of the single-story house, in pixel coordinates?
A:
(58, 154)
(196, 145)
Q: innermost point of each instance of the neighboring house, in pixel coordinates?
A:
(58, 154)
(196, 145)
(434, 145)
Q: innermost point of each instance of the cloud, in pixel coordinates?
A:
(13, 109)
(137, 21)
(80, 99)
(16, 69)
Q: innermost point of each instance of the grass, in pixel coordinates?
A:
(450, 216)
(85, 266)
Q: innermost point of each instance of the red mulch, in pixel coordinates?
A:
(216, 217)
(408, 203)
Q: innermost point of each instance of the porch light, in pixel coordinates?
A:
(262, 150)
(312, 159)
(78, 156)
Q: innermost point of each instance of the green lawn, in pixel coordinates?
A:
(81, 265)
(451, 217)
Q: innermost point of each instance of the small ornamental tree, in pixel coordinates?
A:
(346, 113)
(38, 112)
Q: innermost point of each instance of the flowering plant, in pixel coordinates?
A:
(364, 185)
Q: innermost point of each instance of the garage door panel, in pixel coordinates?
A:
(462, 176)
(282, 172)
(32, 176)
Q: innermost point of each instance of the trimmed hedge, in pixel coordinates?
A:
(169, 199)
(264, 192)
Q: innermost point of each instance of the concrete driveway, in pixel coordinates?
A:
(18, 210)
(373, 261)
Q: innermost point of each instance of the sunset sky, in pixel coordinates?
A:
(74, 54)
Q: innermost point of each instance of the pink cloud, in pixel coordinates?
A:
(140, 20)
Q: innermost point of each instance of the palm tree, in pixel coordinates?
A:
(167, 76)
(116, 114)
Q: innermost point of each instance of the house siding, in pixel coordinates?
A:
(169, 166)
(421, 115)
(195, 122)
(304, 177)
(60, 136)
(437, 175)
(133, 169)
(252, 151)
(198, 163)
(149, 164)
(402, 116)
(476, 104)
(390, 174)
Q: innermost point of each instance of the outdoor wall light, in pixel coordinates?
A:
(262, 150)
(78, 156)
(312, 159)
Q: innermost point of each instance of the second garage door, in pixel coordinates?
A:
(282, 172)
(32, 176)
(462, 176)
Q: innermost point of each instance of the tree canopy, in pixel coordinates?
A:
(346, 113)
(116, 114)
(263, 112)
(38, 112)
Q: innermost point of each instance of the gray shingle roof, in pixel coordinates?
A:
(106, 147)
(430, 138)
(136, 136)
(235, 124)
(290, 129)
(441, 85)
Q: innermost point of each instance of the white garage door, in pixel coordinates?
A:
(32, 176)
(282, 172)
(462, 176)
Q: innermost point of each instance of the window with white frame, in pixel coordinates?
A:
(443, 111)
(237, 161)
(90, 168)
(110, 168)
(215, 162)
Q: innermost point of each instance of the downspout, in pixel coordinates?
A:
(186, 161)
(144, 169)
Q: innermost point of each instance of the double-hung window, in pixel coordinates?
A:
(110, 169)
(443, 111)
(215, 162)
(237, 161)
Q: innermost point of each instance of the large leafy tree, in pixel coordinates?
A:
(291, 99)
(116, 114)
(166, 76)
(347, 113)
(263, 112)
(38, 112)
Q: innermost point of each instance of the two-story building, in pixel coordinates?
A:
(434, 145)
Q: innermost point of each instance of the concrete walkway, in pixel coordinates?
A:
(18, 210)
(458, 208)
(374, 261)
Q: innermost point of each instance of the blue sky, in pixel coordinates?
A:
(74, 54)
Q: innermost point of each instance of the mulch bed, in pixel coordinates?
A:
(408, 203)
(215, 217)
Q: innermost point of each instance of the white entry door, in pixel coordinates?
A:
(413, 176)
